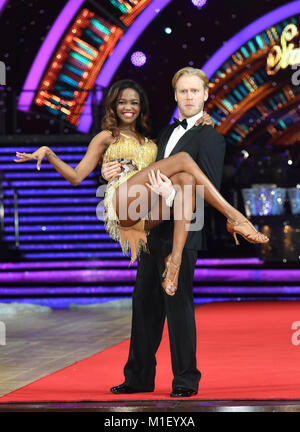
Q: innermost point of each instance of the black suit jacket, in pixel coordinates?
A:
(207, 147)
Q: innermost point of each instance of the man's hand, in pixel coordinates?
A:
(160, 184)
(110, 170)
(205, 120)
(39, 154)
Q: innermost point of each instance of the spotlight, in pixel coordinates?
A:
(138, 58)
(199, 3)
(290, 160)
(245, 154)
(168, 30)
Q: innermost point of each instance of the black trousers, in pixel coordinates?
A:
(150, 306)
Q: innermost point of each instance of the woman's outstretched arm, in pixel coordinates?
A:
(93, 156)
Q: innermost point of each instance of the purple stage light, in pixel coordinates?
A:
(214, 276)
(199, 3)
(207, 262)
(121, 289)
(57, 290)
(2, 4)
(244, 36)
(72, 255)
(138, 58)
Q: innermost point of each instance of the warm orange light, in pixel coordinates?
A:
(96, 58)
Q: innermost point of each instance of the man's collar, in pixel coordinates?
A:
(192, 120)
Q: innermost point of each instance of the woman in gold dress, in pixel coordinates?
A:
(123, 138)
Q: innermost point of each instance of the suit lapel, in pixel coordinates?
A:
(184, 140)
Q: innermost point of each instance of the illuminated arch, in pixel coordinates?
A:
(2, 4)
(119, 53)
(42, 58)
(138, 19)
(249, 32)
(235, 44)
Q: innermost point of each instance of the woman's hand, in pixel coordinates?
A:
(205, 120)
(110, 169)
(160, 184)
(39, 154)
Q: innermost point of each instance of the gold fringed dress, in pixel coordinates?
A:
(133, 156)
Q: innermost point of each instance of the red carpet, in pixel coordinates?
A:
(245, 351)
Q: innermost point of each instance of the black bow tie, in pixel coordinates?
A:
(182, 123)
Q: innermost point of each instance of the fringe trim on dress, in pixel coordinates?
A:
(132, 239)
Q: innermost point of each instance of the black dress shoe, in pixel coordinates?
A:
(182, 392)
(125, 389)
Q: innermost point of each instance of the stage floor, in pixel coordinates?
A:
(41, 342)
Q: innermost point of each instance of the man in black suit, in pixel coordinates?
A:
(150, 304)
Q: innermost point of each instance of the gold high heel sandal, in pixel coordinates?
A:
(169, 285)
(246, 230)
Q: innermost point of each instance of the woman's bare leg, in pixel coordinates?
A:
(183, 208)
(184, 204)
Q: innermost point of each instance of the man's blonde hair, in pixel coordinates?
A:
(186, 71)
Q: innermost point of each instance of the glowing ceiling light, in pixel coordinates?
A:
(138, 58)
(199, 3)
(168, 30)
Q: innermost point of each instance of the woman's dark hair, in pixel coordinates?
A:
(111, 121)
